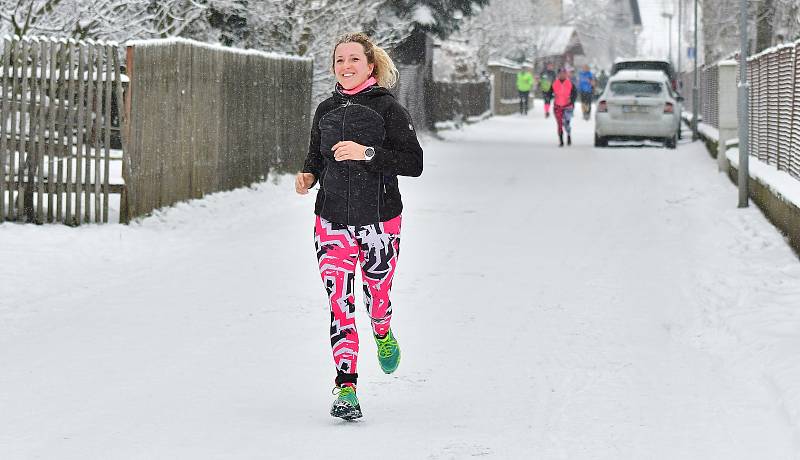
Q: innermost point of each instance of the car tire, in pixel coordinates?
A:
(600, 141)
(671, 142)
(680, 131)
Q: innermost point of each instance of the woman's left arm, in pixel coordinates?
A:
(400, 154)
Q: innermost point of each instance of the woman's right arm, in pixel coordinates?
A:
(314, 163)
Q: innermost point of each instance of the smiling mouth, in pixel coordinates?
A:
(348, 74)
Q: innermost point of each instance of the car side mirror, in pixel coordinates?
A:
(679, 98)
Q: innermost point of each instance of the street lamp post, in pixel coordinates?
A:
(744, 166)
(695, 95)
(669, 16)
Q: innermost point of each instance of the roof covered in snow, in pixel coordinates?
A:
(553, 41)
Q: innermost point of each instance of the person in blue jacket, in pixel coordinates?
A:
(586, 83)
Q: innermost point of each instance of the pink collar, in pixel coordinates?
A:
(369, 82)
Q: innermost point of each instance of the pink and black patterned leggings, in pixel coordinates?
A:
(375, 247)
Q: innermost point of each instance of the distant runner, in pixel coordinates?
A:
(524, 85)
(602, 79)
(564, 94)
(546, 79)
(586, 84)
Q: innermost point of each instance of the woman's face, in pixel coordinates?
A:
(350, 65)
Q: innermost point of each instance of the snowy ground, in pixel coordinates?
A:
(573, 303)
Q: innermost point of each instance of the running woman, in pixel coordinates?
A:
(361, 140)
(546, 79)
(564, 95)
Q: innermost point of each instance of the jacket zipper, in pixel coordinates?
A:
(344, 115)
(381, 188)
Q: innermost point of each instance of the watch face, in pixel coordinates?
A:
(369, 152)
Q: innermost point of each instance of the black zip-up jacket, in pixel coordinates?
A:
(355, 192)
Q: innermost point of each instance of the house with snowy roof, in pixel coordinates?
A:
(560, 45)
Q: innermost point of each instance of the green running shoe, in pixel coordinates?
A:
(388, 352)
(346, 404)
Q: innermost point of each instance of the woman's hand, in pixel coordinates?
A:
(348, 150)
(303, 182)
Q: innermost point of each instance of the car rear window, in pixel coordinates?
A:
(643, 65)
(636, 88)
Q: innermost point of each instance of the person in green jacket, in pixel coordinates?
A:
(546, 79)
(524, 85)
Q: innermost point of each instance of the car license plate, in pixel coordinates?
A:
(634, 109)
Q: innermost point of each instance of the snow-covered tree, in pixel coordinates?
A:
(770, 22)
(304, 27)
(440, 17)
(310, 28)
(778, 21)
(40, 16)
(504, 29)
(101, 19)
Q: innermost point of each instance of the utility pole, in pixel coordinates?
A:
(669, 16)
(744, 122)
(680, 23)
(694, 87)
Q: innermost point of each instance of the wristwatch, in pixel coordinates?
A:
(369, 153)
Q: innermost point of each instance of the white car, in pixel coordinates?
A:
(638, 105)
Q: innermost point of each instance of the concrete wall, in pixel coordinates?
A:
(505, 97)
(782, 214)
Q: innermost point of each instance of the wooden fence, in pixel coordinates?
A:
(707, 92)
(56, 99)
(411, 91)
(205, 119)
(194, 119)
(774, 105)
(686, 85)
(457, 101)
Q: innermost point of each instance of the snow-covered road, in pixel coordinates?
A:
(573, 303)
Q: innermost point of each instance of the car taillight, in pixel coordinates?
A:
(602, 106)
(668, 107)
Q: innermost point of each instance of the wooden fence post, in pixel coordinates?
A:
(5, 87)
(25, 121)
(44, 52)
(86, 131)
(107, 87)
(52, 110)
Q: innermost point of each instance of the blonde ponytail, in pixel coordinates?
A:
(385, 71)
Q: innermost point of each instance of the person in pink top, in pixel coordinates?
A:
(564, 95)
